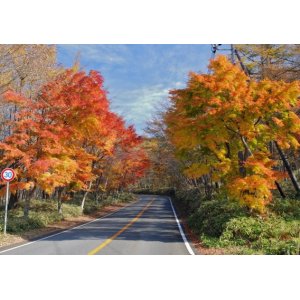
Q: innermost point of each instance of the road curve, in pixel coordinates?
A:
(147, 226)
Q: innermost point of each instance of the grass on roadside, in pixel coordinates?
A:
(44, 212)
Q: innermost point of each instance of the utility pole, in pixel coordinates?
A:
(232, 54)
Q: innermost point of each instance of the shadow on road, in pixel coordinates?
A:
(156, 224)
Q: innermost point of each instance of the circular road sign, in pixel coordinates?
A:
(8, 174)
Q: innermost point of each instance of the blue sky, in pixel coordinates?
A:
(138, 77)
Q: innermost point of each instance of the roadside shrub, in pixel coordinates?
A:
(210, 242)
(189, 200)
(160, 191)
(42, 213)
(222, 223)
(90, 207)
(212, 216)
(21, 224)
(39, 205)
(119, 198)
(272, 235)
(125, 197)
(70, 210)
(287, 208)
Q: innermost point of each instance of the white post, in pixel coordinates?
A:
(6, 206)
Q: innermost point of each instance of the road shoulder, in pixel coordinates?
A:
(193, 239)
(186, 230)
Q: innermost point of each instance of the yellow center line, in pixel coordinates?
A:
(109, 240)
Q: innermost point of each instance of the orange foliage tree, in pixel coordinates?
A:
(229, 121)
(62, 139)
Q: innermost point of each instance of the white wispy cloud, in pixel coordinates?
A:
(139, 77)
(138, 105)
(113, 54)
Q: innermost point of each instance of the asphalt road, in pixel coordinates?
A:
(147, 226)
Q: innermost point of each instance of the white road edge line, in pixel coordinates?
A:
(187, 245)
(61, 232)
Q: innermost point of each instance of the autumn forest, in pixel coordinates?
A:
(225, 147)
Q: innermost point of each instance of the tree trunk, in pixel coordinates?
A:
(294, 181)
(59, 201)
(288, 168)
(282, 194)
(26, 207)
(27, 202)
(249, 153)
(97, 198)
(241, 163)
(85, 195)
(105, 185)
(207, 186)
(13, 200)
(59, 206)
(228, 154)
(45, 196)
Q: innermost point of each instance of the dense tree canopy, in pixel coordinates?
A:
(224, 122)
(66, 136)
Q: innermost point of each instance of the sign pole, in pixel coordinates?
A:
(6, 206)
(7, 175)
